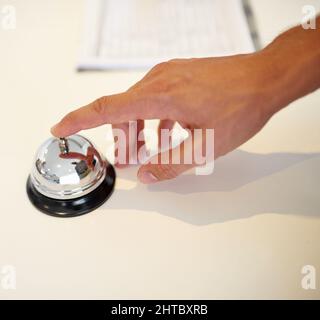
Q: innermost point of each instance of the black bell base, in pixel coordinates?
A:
(73, 207)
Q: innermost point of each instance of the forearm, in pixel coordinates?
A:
(293, 62)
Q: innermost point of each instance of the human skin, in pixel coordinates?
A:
(234, 95)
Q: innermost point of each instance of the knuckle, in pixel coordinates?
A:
(157, 86)
(167, 86)
(99, 105)
(159, 67)
(174, 61)
(70, 117)
(167, 171)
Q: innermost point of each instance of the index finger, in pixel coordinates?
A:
(113, 109)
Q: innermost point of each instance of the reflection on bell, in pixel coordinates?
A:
(69, 177)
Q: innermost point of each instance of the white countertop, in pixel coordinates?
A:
(244, 232)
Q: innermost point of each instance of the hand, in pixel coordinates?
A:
(233, 95)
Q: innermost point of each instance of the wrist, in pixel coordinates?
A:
(292, 64)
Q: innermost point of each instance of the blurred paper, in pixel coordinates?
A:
(126, 34)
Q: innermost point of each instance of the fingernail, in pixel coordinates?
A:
(148, 177)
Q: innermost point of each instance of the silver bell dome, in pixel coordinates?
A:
(67, 168)
(69, 177)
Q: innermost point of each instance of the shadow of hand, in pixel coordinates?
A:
(243, 184)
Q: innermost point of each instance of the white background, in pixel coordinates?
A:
(244, 232)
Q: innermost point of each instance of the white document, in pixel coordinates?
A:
(124, 34)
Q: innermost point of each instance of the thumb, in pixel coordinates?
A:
(167, 165)
(173, 162)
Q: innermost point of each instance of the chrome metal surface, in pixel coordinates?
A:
(67, 168)
(63, 144)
